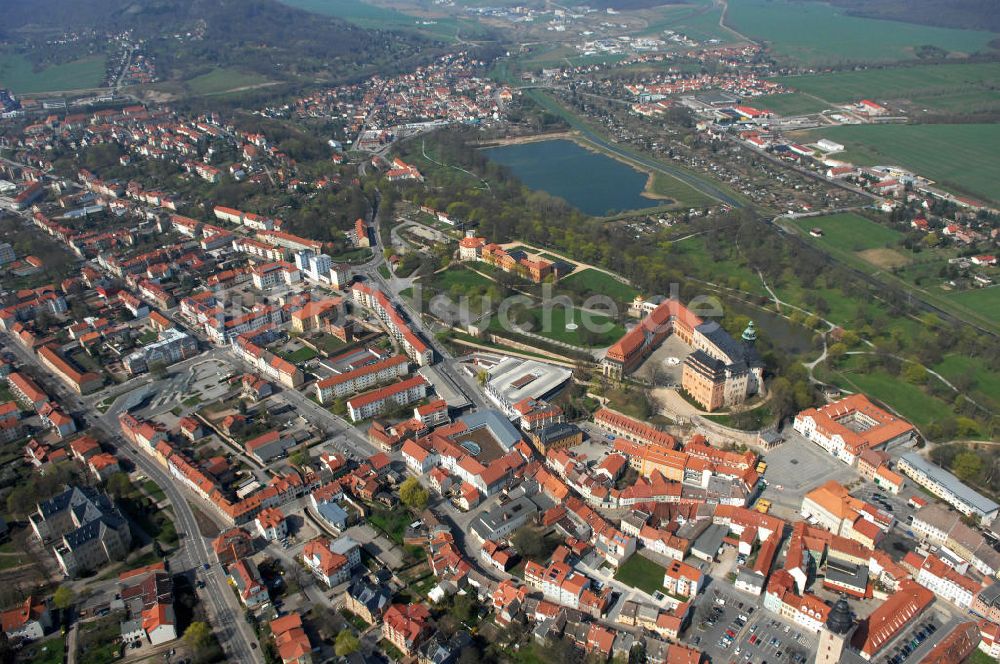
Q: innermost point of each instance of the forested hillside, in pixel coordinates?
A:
(264, 36)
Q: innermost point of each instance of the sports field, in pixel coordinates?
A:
(850, 232)
(959, 157)
(791, 103)
(815, 33)
(945, 88)
(17, 74)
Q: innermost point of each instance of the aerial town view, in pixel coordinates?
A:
(455, 332)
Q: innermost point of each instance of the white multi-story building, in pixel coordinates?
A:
(314, 266)
(947, 487)
(946, 582)
(272, 274)
(375, 402)
(362, 378)
(376, 300)
(172, 346)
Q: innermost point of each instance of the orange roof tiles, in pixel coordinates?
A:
(885, 426)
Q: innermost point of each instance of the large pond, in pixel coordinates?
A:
(589, 181)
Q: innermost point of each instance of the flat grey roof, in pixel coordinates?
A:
(965, 493)
(501, 428)
(710, 541)
(842, 571)
(445, 387)
(511, 379)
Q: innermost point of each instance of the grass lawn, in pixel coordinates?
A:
(641, 573)
(553, 326)
(984, 300)
(814, 33)
(595, 281)
(959, 87)
(979, 657)
(869, 249)
(756, 419)
(679, 192)
(849, 232)
(790, 103)
(442, 282)
(959, 157)
(985, 387)
(384, 271)
(328, 342)
(222, 80)
(909, 400)
(359, 255)
(500, 347)
(17, 73)
(85, 361)
(51, 651)
(391, 522)
(732, 268)
(300, 355)
(154, 490)
(14, 560)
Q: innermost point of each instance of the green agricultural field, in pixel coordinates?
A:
(365, 15)
(642, 573)
(959, 157)
(595, 281)
(984, 300)
(946, 88)
(18, 74)
(699, 20)
(816, 33)
(222, 80)
(791, 103)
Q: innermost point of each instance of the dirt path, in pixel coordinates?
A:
(722, 23)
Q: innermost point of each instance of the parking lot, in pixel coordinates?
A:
(734, 628)
(913, 644)
(792, 470)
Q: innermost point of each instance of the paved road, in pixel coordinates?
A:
(447, 364)
(226, 615)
